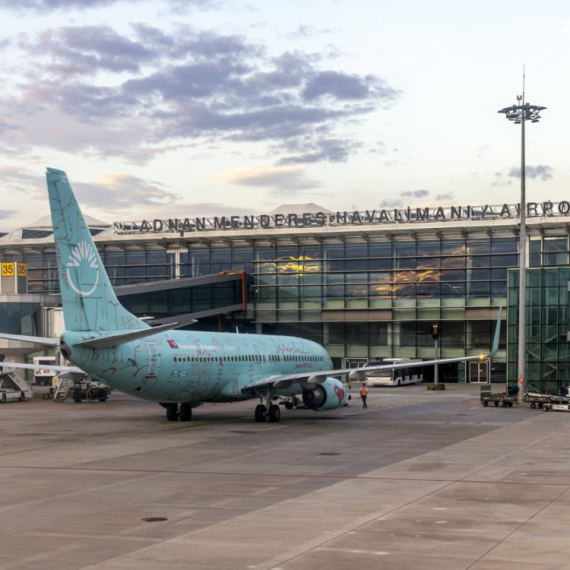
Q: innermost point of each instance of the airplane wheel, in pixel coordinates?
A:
(185, 412)
(172, 412)
(22, 397)
(4, 398)
(288, 405)
(274, 413)
(260, 413)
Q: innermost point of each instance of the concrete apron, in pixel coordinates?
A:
(498, 500)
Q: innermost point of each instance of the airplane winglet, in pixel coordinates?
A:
(495, 347)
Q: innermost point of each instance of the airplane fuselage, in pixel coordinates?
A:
(195, 367)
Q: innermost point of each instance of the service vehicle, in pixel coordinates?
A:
(395, 377)
(43, 376)
(90, 390)
(13, 386)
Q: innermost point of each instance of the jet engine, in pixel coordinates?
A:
(326, 396)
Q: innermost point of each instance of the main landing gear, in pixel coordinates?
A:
(268, 410)
(183, 412)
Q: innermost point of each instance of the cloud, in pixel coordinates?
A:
(4, 214)
(304, 31)
(500, 180)
(331, 150)
(345, 87)
(541, 171)
(16, 178)
(44, 6)
(403, 199)
(119, 191)
(483, 150)
(280, 178)
(132, 94)
(5, 127)
(391, 203)
(415, 194)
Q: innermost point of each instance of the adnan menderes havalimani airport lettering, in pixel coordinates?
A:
(354, 218)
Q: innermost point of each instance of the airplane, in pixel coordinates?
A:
(180, 370)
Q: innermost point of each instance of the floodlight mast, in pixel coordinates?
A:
(520, 114)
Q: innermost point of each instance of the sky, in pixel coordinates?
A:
(182, 108)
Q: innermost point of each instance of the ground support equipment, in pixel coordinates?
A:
(497, 399)
(537, 400)
(556, 407)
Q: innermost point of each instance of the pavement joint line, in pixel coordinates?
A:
(522, 449)
(289, 475)
(321, 542)
(515, 530)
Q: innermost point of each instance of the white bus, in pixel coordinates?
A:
(398, 376)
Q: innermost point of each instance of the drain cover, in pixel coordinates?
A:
(328, 454)
(154, 519)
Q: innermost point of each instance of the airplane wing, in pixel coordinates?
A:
(354, 374)
(46, 341)
(306, 379)
(40, 366)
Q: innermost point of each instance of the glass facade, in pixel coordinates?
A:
(124, 266)
(173, 302)
(548, 350)
(362, 294)
(20, 318)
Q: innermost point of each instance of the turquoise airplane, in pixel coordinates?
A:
(178, 369)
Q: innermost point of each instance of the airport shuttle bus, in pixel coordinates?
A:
(395, 377)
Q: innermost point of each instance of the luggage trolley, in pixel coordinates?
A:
(497, 399)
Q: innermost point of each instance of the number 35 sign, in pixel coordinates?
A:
(9, 269)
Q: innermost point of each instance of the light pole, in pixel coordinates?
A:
(520, 114)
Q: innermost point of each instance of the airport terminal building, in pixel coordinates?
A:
(365, 284)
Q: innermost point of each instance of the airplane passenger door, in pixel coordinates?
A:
(479, 372)
(153, 359)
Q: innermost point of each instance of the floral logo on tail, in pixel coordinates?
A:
(83, 254)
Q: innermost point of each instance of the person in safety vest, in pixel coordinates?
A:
(363, 395)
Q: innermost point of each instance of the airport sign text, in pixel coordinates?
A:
(354, 218)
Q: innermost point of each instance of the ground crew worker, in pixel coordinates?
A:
(363, 394)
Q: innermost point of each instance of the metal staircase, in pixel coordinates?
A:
(64, 386)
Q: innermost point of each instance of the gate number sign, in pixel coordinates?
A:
(7, 270)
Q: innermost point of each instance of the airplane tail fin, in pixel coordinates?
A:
(89, 302)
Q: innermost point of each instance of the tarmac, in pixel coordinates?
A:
(419, 479)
